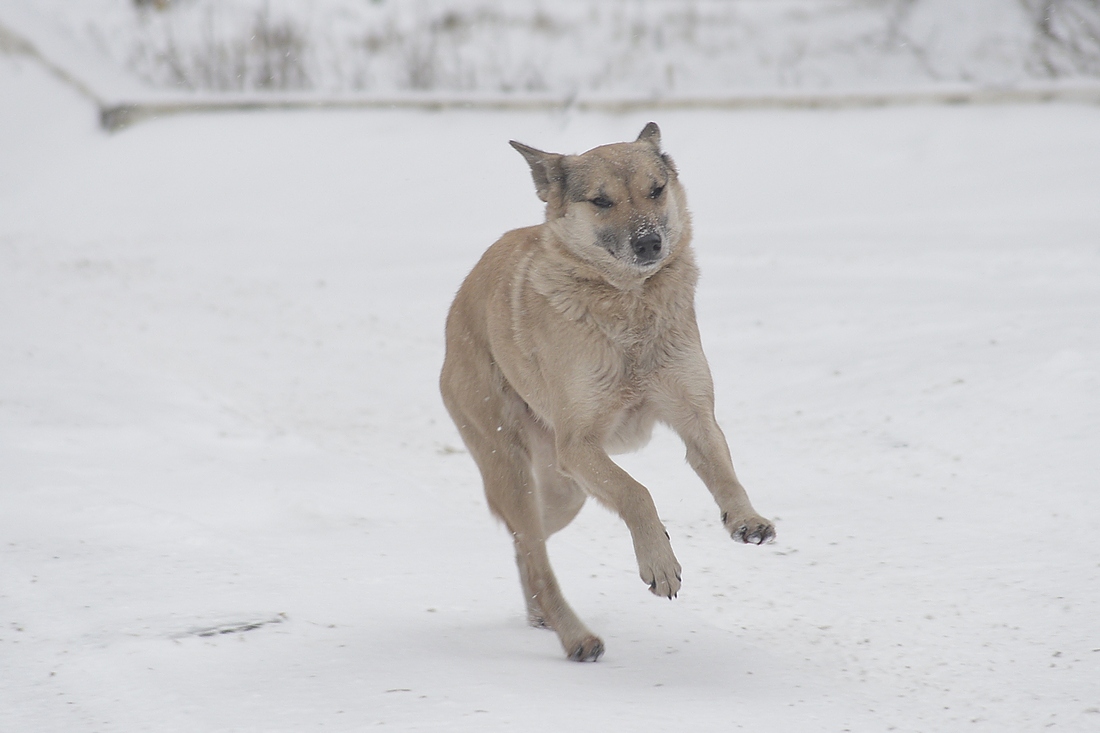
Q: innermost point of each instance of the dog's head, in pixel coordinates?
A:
(620, 207)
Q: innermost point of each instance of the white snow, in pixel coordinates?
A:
(219, 341)
(564, 49)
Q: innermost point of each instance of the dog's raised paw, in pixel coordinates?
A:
(663, 579)
(751, 531)
(588, 649)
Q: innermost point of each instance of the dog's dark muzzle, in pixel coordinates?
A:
(647, 248)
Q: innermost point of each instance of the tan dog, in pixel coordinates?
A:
(571, 339)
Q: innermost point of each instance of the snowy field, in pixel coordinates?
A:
(219, 342)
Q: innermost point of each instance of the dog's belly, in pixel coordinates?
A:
(630, 429)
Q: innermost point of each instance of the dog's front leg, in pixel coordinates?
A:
(587, 463)
(688, 408)
(709, 455)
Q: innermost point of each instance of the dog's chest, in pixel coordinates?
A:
(629, 335)
(638, 335)
(638, 341)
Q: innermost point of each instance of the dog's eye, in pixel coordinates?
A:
(603, 202)
(656, 192)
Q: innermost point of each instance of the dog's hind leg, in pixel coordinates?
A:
(560, 497)
(513, 495)
(559, 501)
(546, 604)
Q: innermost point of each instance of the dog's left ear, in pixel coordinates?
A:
(651, 134)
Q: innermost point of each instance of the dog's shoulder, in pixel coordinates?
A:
(498, 261)
(507, 255)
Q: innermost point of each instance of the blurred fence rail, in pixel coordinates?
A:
(122, 114)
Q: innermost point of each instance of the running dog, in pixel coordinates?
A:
(568, 341)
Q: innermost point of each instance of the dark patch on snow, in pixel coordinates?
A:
(234, 627)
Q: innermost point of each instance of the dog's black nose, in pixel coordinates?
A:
(647, 247)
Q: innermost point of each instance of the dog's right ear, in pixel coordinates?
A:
(546, 168)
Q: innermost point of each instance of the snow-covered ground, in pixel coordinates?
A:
(219, 340)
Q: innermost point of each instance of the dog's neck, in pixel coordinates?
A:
(568, 281)
(619, 275)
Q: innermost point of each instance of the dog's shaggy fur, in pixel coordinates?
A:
(571, 339)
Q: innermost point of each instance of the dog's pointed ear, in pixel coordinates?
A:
(651, 134)
(546, 168)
